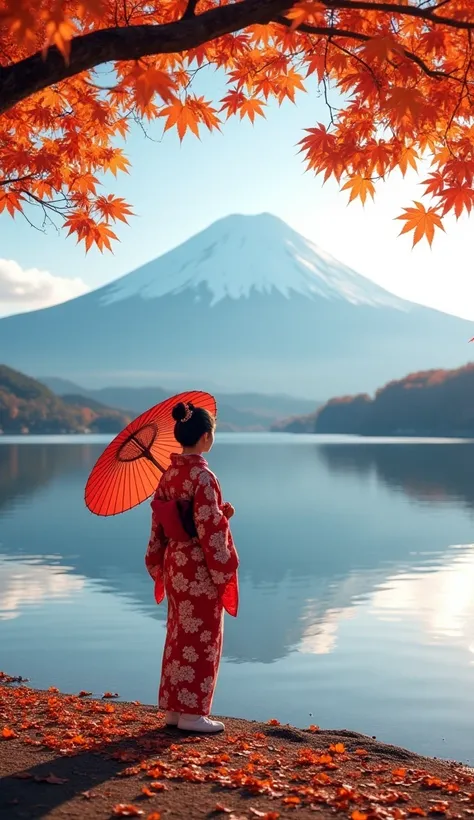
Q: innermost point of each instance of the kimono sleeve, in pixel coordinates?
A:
(216, 540)
(154, 558)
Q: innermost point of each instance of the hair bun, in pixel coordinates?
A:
(179, 411)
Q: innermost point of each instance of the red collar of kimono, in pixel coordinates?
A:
(180, 459)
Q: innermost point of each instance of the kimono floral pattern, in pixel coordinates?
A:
(199, 579)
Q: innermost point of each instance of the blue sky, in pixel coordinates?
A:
(177, 190)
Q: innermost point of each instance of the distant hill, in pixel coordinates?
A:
(431, 403)
(28, 406)
(237, 411)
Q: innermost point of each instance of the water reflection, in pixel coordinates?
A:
(431, 473)
(32, 582)
(316, 532)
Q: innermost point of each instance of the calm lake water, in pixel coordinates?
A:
(357, 584)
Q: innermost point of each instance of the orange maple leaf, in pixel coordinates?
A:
(359, 187)
(458, 198)
(59, 31)
(11, 201)
(152, 81)
(439, 808)
(381, 48)
(408, 157)
(126, 810)
(182, 116)
(116, 162)
(404, 102)
(422, 221)
(303, 12)
(113, 208)
(21, 22)
(250, 107)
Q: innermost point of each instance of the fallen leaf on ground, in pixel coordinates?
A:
(108, 695)
(8, 734)
(52, 780)
(126, 810)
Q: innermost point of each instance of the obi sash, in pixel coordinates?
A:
(176, 518)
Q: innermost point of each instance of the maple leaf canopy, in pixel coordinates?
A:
(403, 69)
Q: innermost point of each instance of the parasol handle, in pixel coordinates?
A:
(147, 453)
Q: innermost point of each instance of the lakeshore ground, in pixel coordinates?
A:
(72, 756)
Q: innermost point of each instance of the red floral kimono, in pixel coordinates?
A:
(199, 578)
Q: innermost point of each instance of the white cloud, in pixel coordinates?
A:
(22, 289)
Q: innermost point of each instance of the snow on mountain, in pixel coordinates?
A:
(240, 254)
(248, 305)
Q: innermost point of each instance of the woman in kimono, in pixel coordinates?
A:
(194, 563)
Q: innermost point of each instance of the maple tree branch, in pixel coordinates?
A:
(190, 9)
(328, 31)
(121, 43)
(13, 180)
(424, 13)
(20, 80)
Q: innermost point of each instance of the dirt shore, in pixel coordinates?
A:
(71, 756)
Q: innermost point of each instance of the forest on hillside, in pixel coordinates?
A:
(430, 403)
(28, 406)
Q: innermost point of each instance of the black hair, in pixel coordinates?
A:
(191, 423)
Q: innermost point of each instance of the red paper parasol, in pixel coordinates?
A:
(129, 469)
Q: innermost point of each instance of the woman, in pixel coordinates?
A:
(194, 562)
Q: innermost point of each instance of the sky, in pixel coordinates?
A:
(177, 190)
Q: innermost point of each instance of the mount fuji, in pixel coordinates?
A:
(246, 305)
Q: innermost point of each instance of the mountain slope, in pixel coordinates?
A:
(240, 410)
(248, 305)
(27, 406)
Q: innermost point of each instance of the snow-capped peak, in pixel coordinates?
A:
(240, 254)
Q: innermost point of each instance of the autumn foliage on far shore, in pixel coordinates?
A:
(432, 403)
(77, 75)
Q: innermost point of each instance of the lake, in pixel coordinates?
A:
(357, 583)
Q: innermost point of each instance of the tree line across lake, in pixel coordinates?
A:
(431, 403)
